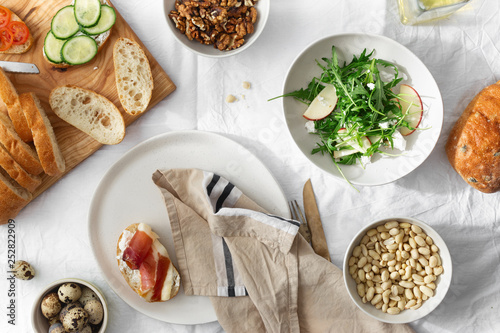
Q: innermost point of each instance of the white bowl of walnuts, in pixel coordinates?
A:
(70, 305)
(397, 270)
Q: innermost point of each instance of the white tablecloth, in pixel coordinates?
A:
(463, 54)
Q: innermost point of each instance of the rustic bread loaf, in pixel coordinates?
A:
(9, 96)
(89, 112)
(44, 138)
(134, 80)
(473, 145)
(17, 148)
(17, 49)
(16, 172)
(12, 197)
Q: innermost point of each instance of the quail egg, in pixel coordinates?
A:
(23, 270)
(68, 307)
(95, 311)
(87, 295)
(56, 328)
(86, 329)
(75, 319)
(50, 305)
(69, 292)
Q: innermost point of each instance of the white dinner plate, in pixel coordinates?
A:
(419, 144)
(127, 195)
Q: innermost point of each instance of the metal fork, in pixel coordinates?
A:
(298, 216)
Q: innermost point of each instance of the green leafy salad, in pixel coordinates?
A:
(355, 112)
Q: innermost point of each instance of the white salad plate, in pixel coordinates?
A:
(127, 195)
(381, 170)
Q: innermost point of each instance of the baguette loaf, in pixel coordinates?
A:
(23, 178)
(157, 280)
(17, 148)
(9, 96)
(17, 49)
(44, 138)
(134, 80)
(473, 146)
(89, 112)
(12, 197)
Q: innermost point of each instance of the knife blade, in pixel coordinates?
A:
(318, 239)
(19, 67)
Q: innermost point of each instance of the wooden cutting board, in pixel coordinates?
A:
(97, 75)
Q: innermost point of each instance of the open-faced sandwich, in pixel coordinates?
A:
(145, 264)
(78, 32)
(15, 37)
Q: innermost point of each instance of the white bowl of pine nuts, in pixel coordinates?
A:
(397, 270)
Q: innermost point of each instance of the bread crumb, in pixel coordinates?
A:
(231, 99)
(242, 96)
(246, 85)
(96, 67)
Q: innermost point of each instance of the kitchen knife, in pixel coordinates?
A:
(318, 239)
(19, 67)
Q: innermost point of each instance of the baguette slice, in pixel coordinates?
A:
(21, 176)
(134, 80)
(89, 112)
(99, 39)
(44, 138)
(12, 197)
(17, 49)
(9, 96)
(157, 260)
(17, 148)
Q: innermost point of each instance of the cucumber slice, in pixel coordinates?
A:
(79, 50)
(107, 20)
(63, 24)
(87, 12)
(52, 48)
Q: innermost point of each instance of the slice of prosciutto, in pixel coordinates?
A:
(137, 249)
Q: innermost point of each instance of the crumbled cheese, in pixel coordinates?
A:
(398, 141)
(385, 124)
(366, 160)
(231, 99)
(371, 86)
(310, 127)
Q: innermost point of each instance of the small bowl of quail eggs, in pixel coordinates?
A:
(70, 305)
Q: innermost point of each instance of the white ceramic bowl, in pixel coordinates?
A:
(442, 282)
(419, 144)
(40, 324)
(262, 6)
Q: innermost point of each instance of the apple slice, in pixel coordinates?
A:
(323, 104)
(412, 108)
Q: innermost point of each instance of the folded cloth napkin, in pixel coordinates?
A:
(261, 276)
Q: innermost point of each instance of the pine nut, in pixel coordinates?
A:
(391, 224)
(416, 229)
(427, 291)
(393, 311)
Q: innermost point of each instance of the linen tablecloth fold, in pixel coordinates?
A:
(261, 276)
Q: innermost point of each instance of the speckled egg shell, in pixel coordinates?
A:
(50, 305)
(69, 292)
(56, 328)
(75, 320)
(68, 307)
(87, 295)
(95, 311)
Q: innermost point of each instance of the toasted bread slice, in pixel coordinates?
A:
(12, 197)
(44, 138)
(134, 80)
(89, 112)
(8, 94)
(17, 49)
(17, 148)
(21, 176)
(134, 278)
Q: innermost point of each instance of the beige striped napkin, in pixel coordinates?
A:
(261, 276)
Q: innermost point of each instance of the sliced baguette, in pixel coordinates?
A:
(17, 49)
(21, 176)
(9, 96)
(44, 138)
(12, 197)
(99, 39)
(133, 277)
(17, 148)
(134, 80)
(89, 112)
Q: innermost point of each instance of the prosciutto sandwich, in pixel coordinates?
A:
(145, 264)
